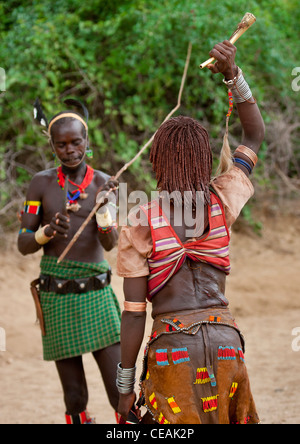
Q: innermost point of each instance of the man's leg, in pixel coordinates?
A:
(71, 373)
(107, 360)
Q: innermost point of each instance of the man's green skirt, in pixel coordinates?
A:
(78, 323)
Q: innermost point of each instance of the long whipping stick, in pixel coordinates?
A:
(124, 168)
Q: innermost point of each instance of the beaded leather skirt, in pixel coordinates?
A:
(194, 371)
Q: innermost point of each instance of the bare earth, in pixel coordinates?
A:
(263, 290)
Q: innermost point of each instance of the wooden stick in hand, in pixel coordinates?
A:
(242, 27)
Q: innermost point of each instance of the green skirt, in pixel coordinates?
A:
(78, 323)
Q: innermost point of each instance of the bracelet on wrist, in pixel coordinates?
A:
(125, 379)
(104, 219)
(106, 230)
(240, 89)
(40, 237)
(230, 83)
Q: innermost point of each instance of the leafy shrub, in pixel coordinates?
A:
(125, 59)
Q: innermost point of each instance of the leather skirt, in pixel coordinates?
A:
(194, 370)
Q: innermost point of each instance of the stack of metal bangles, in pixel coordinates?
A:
(240, 89)
(125, 379)
(241, 92)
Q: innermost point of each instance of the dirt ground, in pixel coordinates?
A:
(263, 290)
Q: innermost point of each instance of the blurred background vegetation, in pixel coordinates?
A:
(125, 59)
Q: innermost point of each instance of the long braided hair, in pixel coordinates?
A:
(181, 157)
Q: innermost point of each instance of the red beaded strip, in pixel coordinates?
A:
(106, 230)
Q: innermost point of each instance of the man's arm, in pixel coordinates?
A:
(31, 218)
(109, 241)
(31, 238)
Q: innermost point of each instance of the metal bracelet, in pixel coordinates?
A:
(125, 379)
(230, 83)
(240, 89)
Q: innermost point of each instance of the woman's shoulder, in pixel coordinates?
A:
(234, 190)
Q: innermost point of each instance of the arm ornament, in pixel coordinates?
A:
(41, 237)
(105, 222)
(104, 219)
(125, 379)
(32, 207)
(135, 306)
(240, 89)
(244, 163)
(25, 230)
(247, 152)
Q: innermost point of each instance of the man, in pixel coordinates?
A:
(194, 370)
(80, 312)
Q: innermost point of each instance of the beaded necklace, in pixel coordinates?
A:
(79, 192)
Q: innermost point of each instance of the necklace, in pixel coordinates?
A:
(79, 192)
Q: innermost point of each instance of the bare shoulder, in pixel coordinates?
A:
(45, 175)
(100, 177)
(41, 181)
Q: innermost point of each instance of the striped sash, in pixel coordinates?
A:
(169, 253)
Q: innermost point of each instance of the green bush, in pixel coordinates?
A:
(125, 59)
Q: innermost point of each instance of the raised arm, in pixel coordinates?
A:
(249, 114)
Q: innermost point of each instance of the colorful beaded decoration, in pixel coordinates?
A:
(202, 376)
(79, 192)
(106, 230)
(25, 230)
(230, 104)
(210, 403)
(32, 207)
(173, 404)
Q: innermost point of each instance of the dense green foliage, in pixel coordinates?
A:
(125, 59)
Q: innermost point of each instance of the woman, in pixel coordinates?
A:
(194, 370)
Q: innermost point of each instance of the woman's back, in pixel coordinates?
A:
(196, 285)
